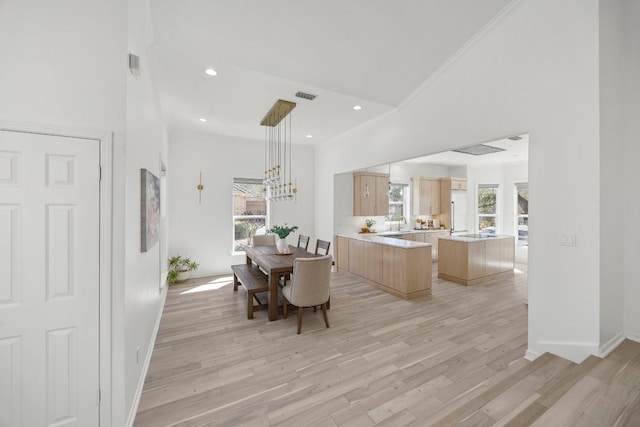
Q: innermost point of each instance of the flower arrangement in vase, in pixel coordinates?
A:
(283, 231)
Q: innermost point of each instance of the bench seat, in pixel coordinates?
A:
(255, 282)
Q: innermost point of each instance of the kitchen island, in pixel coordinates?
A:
(475, 258)
(398, 266)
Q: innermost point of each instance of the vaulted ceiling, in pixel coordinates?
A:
(373, 53)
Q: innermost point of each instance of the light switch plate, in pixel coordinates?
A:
(567, 239)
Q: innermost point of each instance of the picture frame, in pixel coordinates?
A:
(149, 210)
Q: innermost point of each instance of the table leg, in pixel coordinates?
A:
(248, 261)
(273, 296)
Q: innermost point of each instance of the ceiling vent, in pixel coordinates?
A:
(515, 138)
(305, 96)
(479, 150)
(134, 64)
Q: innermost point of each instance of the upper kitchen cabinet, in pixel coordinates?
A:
(370, 194)
(426, 196)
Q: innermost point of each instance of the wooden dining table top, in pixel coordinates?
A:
(268, 258)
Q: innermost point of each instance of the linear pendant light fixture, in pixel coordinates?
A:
(277, 151)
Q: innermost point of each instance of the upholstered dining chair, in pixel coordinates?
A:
(264, 240)
(322, 247)
(303, 241)
(309, 286)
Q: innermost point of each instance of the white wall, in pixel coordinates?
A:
(612, 193)
(535, 70)
(146, 144)
(203, 231)
(631, 178)
(64, 66)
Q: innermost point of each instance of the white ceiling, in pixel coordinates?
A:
(514, 151)
(373, 53)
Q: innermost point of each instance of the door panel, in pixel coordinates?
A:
(49, 280)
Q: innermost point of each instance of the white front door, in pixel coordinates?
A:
(49, 280)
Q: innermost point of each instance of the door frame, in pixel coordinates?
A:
(105, 139)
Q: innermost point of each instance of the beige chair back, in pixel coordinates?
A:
(311, 279)
(264, 240)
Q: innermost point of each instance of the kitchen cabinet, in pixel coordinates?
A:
(447, 186)
(427, 237)
(426, 196)
(356, 257)
(402, 268)
(341, 252)
(372, 262)
(469, 261)
(370, 194)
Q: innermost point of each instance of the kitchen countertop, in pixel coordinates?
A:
(411, 231)
(476, 237)
(387, 241)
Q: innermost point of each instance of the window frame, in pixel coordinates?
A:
(495, 215)
(405, 203)
(517, 186)
(266, 216)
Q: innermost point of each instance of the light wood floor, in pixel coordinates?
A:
(453, 358)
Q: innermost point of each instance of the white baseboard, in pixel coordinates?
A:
(608, 347)
(145, 368)
(531, 355)
(573, 351)
(633, 336)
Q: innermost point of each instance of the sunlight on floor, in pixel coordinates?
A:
(517, 271)
(210, 286)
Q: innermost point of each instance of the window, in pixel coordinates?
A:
(522, 213)
(487, 208)
(398, 200)
(250, 211)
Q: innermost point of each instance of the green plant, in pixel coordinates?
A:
(177, 265)
(369, 222)
(283, 230)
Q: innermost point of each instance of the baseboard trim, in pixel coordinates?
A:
(573, 351)
(531, 355)
(145, 368)
(611, 345)
(633, 336)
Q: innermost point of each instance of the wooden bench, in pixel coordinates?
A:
(254, 281)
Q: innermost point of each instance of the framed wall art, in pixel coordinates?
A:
(149, 209)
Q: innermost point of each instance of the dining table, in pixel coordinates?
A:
(276, 265)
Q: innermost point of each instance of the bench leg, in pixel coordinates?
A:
(249, 305)
(235, 282)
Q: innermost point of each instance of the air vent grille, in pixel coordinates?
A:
(479, 150)
(515, 138)
(305, 96)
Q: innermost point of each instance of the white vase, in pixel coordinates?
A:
(282, 246)
(182, 275)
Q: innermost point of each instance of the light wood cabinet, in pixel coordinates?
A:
(356, 256)
(404, 272)
(426, 196)
(372, 262)
(446, 186)
(370, 194)
(475, 261)
(341, 252)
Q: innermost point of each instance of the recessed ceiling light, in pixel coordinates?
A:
(211, 72)
(202, 119)
(357, 107)
(309, 136)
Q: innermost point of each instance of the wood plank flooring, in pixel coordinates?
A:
(455, 357)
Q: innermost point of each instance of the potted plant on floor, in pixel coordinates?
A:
(283, 231)
(179, 268)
